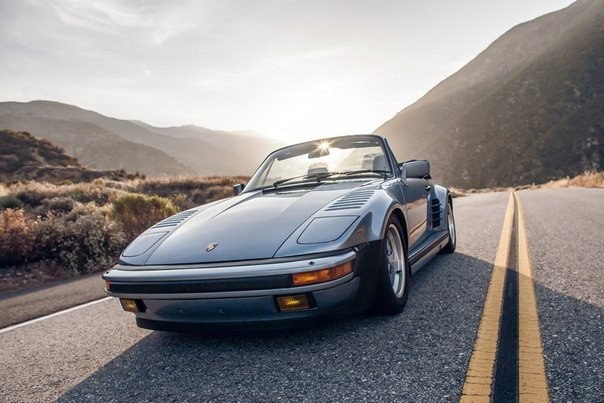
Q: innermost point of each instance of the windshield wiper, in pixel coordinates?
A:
(317, 177)
(324, 175)
(362, 172)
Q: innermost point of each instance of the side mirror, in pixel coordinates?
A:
(416, 169)
(238, 188)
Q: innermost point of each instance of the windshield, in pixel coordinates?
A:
(318, 160)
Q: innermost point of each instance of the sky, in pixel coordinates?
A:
(289, 69)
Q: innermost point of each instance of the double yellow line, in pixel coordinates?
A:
(531, 376)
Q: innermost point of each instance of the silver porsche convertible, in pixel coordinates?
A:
(323, 228)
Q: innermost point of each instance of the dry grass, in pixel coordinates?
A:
(588, 179)
(52, 231)
(585, 180)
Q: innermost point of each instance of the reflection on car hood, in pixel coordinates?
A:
(252, 226)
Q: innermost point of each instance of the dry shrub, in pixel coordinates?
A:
(82, 241)
(589, 180)
(10, 202)
(66, 229)
(56, 205)
(86, 243)
(137, 212)
(128, 186)
(188, 192)
(34, 193)
(18, 234)
(455, 192)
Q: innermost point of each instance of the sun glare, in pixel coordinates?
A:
(324, 145)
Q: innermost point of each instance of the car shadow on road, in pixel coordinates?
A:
(419, 355)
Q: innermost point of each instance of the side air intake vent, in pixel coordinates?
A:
(435, 206)
(353, 200)
(175, 219)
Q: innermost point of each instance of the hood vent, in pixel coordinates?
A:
(353, 200)
(174, 220)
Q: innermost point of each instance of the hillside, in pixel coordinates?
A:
(96, 147)
(527, 109)
(240, 143)
(104, 142)
(25, 157)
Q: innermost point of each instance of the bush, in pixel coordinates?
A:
(11, 202)
(78, 228)
(89, 243)
(137, 212)
(83, 241)
(33, 194)
(188, 192)
(61, 205)
(17, 237)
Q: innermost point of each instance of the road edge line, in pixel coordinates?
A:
(532, 378)
(479, 375)
(52, 315)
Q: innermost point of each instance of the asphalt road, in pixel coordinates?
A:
(566, 238)
(97, 353)
(20, 306)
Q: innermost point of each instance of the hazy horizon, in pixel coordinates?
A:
(286, 69)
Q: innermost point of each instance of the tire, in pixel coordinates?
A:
(394, 271)
(450, 247)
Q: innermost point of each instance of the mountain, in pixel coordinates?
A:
(24, 157)
(94, 146)
(239, 143)
(529, 108)
(104, 142)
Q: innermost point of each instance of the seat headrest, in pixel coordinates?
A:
(379, 163)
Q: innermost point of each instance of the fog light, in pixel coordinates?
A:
(132, 305)
(293, 302)
(321, 276)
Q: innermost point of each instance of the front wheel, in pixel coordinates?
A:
(450, 247)
(393, 281)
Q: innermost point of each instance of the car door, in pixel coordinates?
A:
(416, 196)
(415, 191)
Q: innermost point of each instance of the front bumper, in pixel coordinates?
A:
(203, 297)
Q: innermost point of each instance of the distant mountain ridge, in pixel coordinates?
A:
(103, 142)
(529, 108)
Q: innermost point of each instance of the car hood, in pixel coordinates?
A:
(250, 226)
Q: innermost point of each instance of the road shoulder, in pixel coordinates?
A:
(24, 305)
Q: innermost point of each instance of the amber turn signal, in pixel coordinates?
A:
(293, 302)
(321, 276)
(107, 285)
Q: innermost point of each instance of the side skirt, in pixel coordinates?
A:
(422, 254)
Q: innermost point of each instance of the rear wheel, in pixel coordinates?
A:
(393, 282)
(450, 247)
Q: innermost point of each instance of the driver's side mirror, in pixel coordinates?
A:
(238, 188)
(415, 169)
